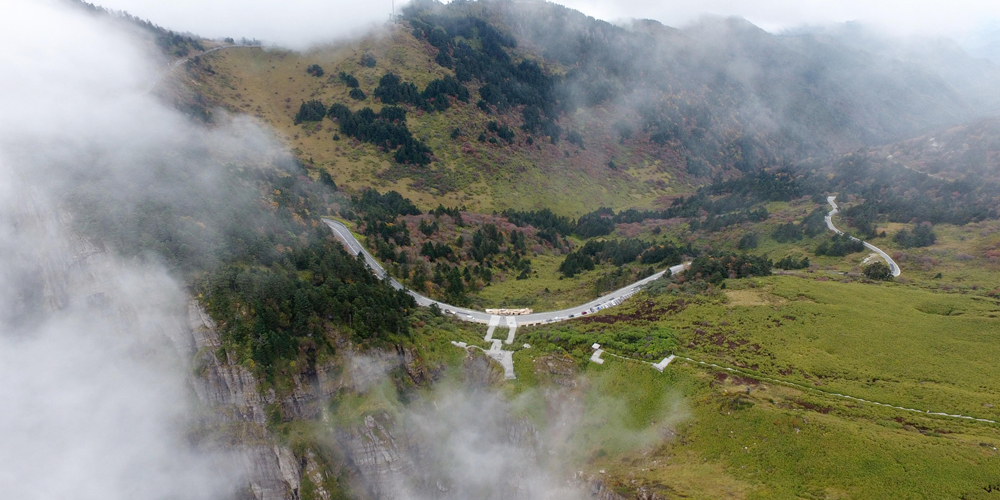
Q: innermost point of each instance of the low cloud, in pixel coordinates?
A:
(94, 346)
(958, 19)
(295, 24)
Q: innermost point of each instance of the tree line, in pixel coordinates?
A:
(621, 252)
(386, 129)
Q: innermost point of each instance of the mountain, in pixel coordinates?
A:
(593, 113)
(185, 321)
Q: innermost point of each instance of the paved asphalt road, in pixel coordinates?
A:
(832, 200)
(610, 300)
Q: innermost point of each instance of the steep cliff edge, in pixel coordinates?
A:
(237, 417)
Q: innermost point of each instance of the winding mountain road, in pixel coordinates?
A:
(832, 200)
(610, 300)
(172, 67)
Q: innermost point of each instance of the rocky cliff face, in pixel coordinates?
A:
(237, 417)
(467, 445)
(237, 412)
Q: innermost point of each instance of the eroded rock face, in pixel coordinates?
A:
(458, 443)
(382, 458)
(236, 416)
(600, 491)
(465, 444)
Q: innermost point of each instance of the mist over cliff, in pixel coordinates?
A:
(93, 337)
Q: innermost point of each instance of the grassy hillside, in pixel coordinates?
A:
(637, 118)
(479, 175)
(740, 437)
(569, 113)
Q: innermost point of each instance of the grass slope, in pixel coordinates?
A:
(270, 84)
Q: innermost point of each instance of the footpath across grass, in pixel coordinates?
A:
(692, 432)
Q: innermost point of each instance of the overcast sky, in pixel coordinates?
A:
(297, 23)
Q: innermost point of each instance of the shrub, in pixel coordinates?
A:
(921, 236)
(748, 241)
(714, 268)
(878, 271)
(315, 70)
(348, 80)
(310, 111)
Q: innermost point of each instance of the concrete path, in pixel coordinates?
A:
(354, 247)
(796, 385)
(832, 200)
(663, 364)
(512, 325)
(505, 358)
(494, 321)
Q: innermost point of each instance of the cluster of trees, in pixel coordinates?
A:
(600, 222)
(725, 203)
(379, 215)
(428, 228)
(894, 193)
(386, 128)
(878, 271)
(273, 309)
(486, 242)
(840, 245)
(367, 60)
(348, 79)
(243, 243)
(749, 241)
(921, 236)
(310, 111)
(618, 278)
(789, 263)
(813, 225)
(716, 267)
(315, 70)
(435, 95)
(437, 251)
(393, 90)
(501, 130)
(717, 222)
(574, 137)
(175, 43)
(454, 212)
(386, 206)
(549, 225)
(476, 50)
(488, 249)
(619, 253)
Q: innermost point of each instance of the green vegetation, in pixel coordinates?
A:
(749, 241)
(718, 266)
(385, 129)
(789, 263)
(283, 292)
(921, 236)
(621, 252)
(311, 111)
(878, 271)
(348, 80)
(732, 433)
(315, 70)
(840, 245)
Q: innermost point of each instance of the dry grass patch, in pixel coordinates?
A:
(754, 297)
